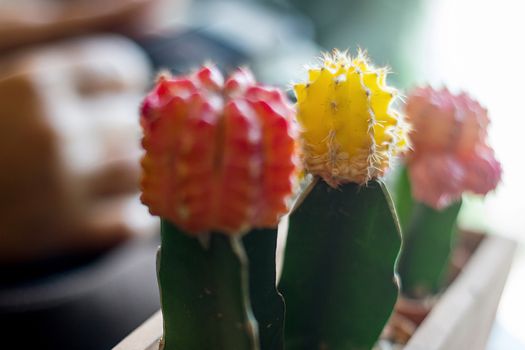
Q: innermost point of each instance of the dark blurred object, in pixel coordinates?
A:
(32, 21)
(276, 40)
(181, 51)
(82, 302)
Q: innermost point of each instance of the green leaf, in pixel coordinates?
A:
(267, 302)
(204, 292)
(429, 239)
(338, 277)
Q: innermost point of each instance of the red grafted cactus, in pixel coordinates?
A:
(219, 155)
(450, 152)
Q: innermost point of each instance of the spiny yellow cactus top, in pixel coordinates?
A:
(349, 132)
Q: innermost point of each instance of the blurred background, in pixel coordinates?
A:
(76, 246)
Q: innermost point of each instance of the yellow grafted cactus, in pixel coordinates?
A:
(349, 131)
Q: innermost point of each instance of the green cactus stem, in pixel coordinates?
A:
(204, 292)
(428, 238)
(402, 196)
(267, 302)
(338, 276)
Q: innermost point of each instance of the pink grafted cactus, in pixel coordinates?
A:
(450, 153)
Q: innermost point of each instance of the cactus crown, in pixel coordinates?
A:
(219, 154)
(450, 152)
(349, 131)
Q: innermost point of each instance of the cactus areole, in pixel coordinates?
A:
(219, 154)
(349, 132)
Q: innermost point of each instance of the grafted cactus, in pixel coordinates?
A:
(338, 276)
(219, 161)
(450, 156)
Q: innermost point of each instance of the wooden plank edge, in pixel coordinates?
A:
(492, 259)
(145, 337)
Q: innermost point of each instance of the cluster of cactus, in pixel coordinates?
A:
(222, 160)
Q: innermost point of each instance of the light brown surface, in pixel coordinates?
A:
(69, 145)
(24, 22)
